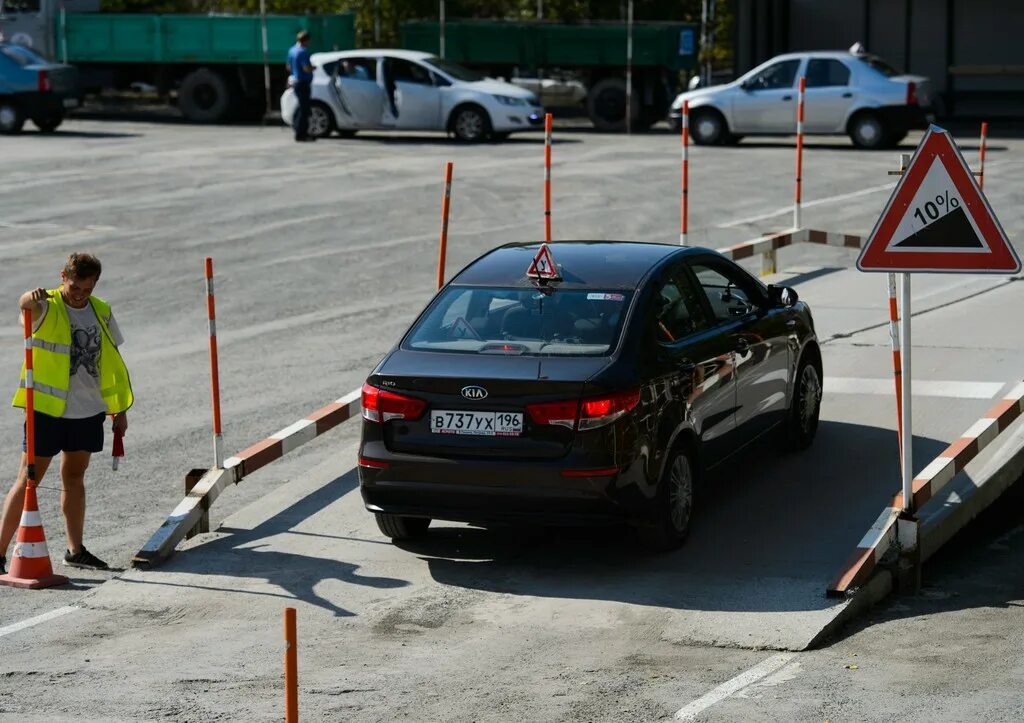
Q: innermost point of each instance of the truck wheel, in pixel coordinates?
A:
(470, 123)
(321, 120)
(606, 105)
(48, 125)
(398, 527)
(204, 96)
(11, 119)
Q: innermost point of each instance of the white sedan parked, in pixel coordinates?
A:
(406, 90)
(847, 92)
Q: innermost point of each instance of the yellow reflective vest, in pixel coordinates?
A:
(51, 362)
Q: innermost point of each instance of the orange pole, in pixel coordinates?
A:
(445, 205)
(291, 668)
(685, 208)
(799, 152)
(30, 406)
(547, 176)
(984, 138)
(897, 360)
(218, 439)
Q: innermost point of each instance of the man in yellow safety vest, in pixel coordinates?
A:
(79, 378)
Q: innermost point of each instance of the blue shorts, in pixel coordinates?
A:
(56, 434)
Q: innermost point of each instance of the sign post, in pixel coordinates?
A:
(936, 221)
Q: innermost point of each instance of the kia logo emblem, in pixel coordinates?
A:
(474, 392)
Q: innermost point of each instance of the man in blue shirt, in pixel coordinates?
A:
(301, 68)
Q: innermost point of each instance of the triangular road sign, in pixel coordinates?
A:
(937, 220)
(543, 265)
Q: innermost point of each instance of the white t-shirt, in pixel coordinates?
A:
(84, 397)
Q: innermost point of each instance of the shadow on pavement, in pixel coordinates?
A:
(248, 554)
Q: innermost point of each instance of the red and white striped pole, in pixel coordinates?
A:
(547, 177)
(684, 207)
(445, 206)
(984, 139)
(897, 361)
(799, 152)
(218, 439)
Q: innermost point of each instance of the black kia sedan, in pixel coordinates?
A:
(583, 381)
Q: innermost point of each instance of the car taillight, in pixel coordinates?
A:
(44, 81)
(589, 413)
(380, 405)
(911, 93)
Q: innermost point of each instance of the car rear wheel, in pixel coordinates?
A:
(471, 124)
(48, 125)
(708, 128)
(670, 521)
(321, 122)
(868, 131)
(11, 119)
(805, 407)
(398, 527)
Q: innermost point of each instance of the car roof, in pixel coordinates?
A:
(331, 56)
(582, 264)
(837, 54)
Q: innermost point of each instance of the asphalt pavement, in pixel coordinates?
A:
(324, 252)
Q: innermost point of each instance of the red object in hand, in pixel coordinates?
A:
(118, 452)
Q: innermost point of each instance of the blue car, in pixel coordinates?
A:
(32, 87)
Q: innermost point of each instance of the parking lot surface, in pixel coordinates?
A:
(324, 253)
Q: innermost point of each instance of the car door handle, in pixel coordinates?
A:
(787, 97)
(847, 95)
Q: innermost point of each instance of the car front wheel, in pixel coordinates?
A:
(11, 119)
(400, 528)
(708, 128)
(670, 521)
(470, 124)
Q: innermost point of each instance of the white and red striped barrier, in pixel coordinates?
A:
(774, 242)
(932, 478)
(191, 508)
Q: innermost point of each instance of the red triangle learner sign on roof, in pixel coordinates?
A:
(543, 265)
(937, 220)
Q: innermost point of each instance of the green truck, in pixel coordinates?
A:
(213, 63)
(571, 64)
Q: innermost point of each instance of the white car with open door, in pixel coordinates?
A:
(406, 90)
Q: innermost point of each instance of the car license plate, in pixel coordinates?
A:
(71, 102)
(484, 424)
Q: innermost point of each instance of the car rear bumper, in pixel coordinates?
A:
(48, 104)
(483, 490)
(904, 118)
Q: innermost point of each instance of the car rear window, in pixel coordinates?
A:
(878, 64)
(491, 320)
(21, 55)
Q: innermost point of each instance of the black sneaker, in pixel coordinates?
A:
(85, 560)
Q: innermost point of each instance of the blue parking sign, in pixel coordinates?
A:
(686, 42)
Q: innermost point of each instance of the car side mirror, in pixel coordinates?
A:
(783, 295)
(747, 85)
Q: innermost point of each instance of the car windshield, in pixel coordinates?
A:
(494, 320)
(878, 64)
(453, 70)
(22, 55)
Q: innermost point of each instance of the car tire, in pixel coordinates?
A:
(11, 119)
(708, 128)
(669, 523)
(868, 131)
(204, 97)
(805, 408)
(470, 123)
(48, 125)
(398, 527)
(321, 120)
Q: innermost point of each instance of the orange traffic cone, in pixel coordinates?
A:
(30, 563)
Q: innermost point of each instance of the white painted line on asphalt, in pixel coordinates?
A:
(32, 622)
(806, 204)
(741, 681)
(922, 388)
